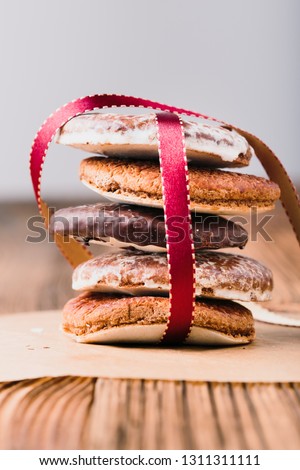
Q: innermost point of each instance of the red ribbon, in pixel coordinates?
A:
(181, 258)
(175, 190)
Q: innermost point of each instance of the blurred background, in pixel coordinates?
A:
(235, 60)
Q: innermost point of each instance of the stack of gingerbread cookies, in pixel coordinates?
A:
(124, 291)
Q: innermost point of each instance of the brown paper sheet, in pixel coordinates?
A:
(31, 346)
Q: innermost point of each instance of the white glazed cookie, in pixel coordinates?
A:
(132, 136)
(218, 275)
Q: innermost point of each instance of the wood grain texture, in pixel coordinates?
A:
(86, 413)
(97, 413)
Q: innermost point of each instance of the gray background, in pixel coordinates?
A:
(236, 60)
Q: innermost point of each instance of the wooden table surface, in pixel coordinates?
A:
(98, 413)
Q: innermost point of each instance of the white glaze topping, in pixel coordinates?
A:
(125, 130)
(218, 275)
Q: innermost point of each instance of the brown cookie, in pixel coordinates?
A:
(134, 136)
(100, 318)
(218, 275)
(211, 191)
(121, 225)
